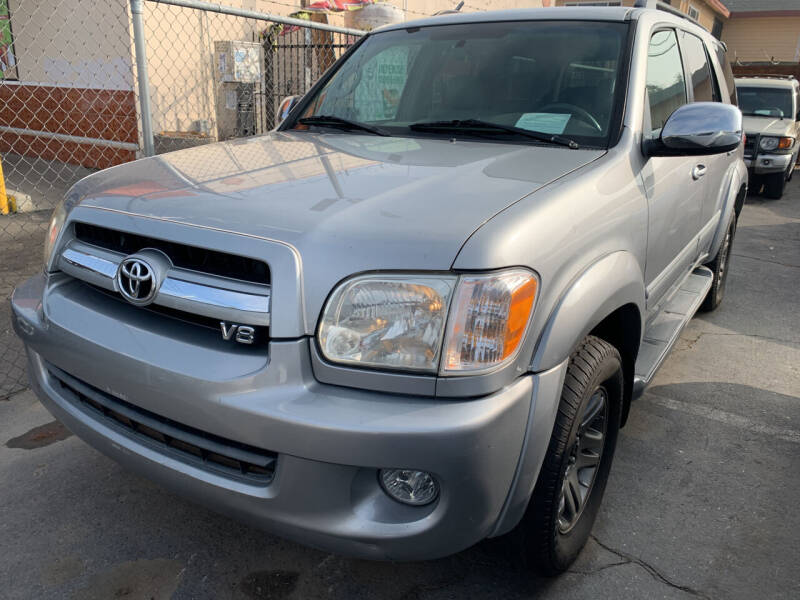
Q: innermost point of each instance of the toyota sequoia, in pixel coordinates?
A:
(415, 314)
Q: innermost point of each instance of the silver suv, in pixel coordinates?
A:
(770, 105)
(416, 314)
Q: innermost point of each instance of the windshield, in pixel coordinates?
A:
(554, 77)
(765, 102)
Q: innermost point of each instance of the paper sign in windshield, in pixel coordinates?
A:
(544, 122)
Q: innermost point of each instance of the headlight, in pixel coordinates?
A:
(53, 230)
(391, 322)
(776, 143)
(399, 321)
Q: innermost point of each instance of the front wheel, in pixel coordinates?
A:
(573, 477)
(720, 267)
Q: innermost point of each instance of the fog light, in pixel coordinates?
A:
(409, 487)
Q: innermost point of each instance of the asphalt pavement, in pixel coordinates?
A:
(702, 501)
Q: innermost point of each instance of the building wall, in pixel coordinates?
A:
(80, 43)
(180, 50)
(707, 14)
(75, 77)
(760, 39)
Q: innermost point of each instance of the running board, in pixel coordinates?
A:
(663, 331)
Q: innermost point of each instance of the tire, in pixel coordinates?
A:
(720, 266)
(774, 185)
(555, 528)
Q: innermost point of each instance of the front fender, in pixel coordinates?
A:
(734, 199)
(608, 284)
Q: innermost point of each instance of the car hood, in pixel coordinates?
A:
(766, 125)
(357, 201)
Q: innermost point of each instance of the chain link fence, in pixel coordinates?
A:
(71, 101)
(67, 108)
(216, 76)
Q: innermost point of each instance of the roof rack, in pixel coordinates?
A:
(656, 5)
(767, 76)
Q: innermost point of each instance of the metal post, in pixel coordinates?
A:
(5, 206)
(143, 80)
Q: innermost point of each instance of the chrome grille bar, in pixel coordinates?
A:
(204, 295)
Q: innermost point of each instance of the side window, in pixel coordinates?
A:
(666, 87)
(722, 57)
(699, 70)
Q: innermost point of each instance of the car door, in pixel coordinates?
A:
(674, 185)
(703, 87)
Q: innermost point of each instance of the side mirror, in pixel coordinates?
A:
(285, 107)
(700, 128)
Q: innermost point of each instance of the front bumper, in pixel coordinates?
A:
(329, 440)
(764, 164)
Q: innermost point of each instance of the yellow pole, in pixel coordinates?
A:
(3, 198)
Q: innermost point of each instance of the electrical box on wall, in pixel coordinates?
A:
(239, 79)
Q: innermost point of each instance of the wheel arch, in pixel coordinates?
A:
(608, 300)
(740, 197)
(623, 330)
(737, 191)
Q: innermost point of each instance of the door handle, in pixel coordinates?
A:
(698, 172)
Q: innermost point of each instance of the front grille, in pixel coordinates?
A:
(193, 446)
(193, 258)
(750, 145)
(260, 338)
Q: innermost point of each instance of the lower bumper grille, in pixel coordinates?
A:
(193, 446)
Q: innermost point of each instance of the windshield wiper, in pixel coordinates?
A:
(477, 125)
(334, 121)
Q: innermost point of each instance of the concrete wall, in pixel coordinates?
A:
(760, 39)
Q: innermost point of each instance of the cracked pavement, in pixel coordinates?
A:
(701, 502)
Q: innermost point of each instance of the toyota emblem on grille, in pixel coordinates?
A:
(136, 281)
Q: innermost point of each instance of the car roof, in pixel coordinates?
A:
(566, 13)
(562, 13)
(766, 82)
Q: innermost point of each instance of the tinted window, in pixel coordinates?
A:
(666, 87)
(698, 68)
(766, 101)
(722, 57)
(549, 76)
